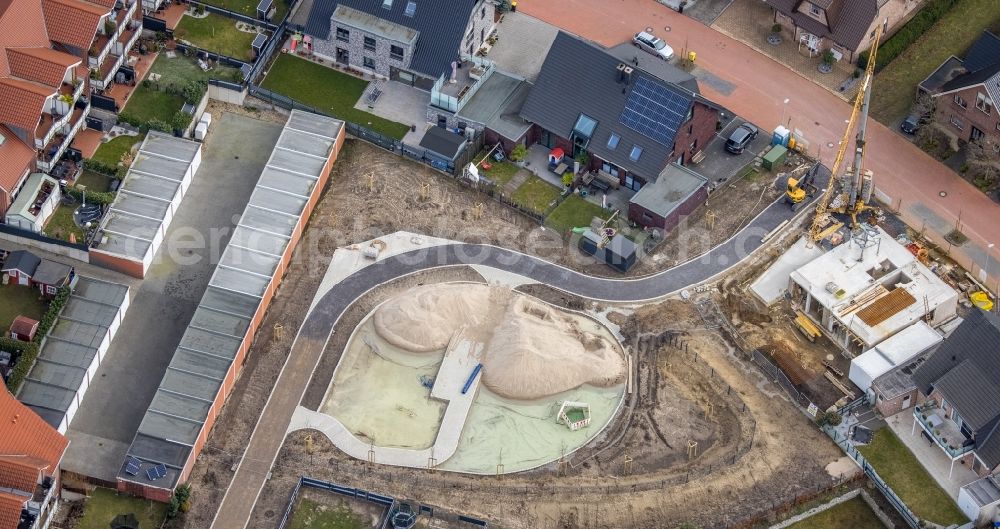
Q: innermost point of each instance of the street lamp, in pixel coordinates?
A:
(784, 104)
(986, 269)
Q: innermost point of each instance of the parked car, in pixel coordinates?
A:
(653, 44)
(910, 124)
(740, 138)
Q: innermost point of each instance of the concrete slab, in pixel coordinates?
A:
(523, 44)
(402, 104)
(720, 165)
(93, 455)
(773, 283)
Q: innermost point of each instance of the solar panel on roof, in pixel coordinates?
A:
(654, 111)
(156, 472)
(132, 466)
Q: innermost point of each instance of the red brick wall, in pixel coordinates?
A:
(118, 264)
(891, 406)
(969, 116)
(700, 128)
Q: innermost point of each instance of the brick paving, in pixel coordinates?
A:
(750, 21)
(908, 178)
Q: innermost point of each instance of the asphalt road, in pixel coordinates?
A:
(269, 434)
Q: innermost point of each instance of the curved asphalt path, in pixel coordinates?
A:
(269, 433)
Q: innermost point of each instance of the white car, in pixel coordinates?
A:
(653, 44)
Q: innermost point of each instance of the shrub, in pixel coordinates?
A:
(93, 197)
(181, 120)
(828, 57)
(98, 167)
(156, 124)
(910, 32)
(776, 28)
(518, 152)
(830, 418)
(180, 500)
(193, 91)
(26, 352)
(567, 179)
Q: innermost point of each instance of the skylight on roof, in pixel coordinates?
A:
(386, 4)
(411, 8)
(636, 153)
(585, 126)
(613, 141)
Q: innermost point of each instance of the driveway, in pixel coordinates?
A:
(719, 164)
(234, 155)
(906, 177)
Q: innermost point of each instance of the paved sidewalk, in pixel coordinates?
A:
(905, 176)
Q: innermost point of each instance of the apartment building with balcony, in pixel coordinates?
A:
(52, 54)
(30, 453)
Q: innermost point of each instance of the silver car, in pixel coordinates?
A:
(653, 44)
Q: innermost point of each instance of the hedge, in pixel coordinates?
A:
(102, 168)
(95, 197)
(908, 34)
(29, 351)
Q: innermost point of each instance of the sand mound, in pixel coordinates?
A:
(425, 318)
(536, 352)
(533, 350)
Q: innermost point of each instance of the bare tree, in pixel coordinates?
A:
(923, 107)
(983, 157)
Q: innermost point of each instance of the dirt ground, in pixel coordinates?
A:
(690, 387)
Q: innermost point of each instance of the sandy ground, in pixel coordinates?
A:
(748, 462)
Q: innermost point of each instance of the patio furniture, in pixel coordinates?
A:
(560, 169)
(609, 179)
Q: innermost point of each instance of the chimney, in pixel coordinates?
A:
(621, 71)
(627, 74)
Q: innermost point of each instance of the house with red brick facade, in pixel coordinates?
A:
(966, 90)
(30, 454)
(52, 52)
(633, 119)
(845, 27)
(960, 394)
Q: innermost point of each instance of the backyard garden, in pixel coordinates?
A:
(327, 90)
(218, 34)
(249, 7)
(901, 470)
(853, 513)
(104, 504)
(19, 301)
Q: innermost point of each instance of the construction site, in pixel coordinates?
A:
(480, 390)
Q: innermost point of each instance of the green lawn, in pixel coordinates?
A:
(501, 172)
(149, 103)
(94, 181)
(216, 33)
(311, 515)
(901, 470)
(110, 152)
(178, 70)
(327, 90)
(249, 7)
(104, 504)
(853, 514)
(536, 194)
(896, 84)
(19, 301)
(574, 212)
(60, 225)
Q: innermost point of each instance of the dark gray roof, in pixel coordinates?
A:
(441, 24)
(443, 142)
(659, 68)
(51, 272)
(23, 261)
(580, 77)
(972, 78)
(848, 20)
(964, 368)
(497, 106)
(949, 69)
(983, 53)
(673, 187)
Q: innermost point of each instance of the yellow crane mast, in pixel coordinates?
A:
(849, 192)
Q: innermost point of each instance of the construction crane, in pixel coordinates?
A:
(849, 193)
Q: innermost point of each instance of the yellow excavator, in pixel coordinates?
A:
(800, 186)
(848, 192)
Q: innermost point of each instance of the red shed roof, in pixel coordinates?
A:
(24, 326)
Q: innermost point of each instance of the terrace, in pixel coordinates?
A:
(58, 111)
(103, 77)
(468, 78)
(946, 433)
(61, 136)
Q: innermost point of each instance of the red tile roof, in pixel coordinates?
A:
(105, 3)
(42, 65)
(15, 160)
(10, 509)
(72, 22)
(22, 102)
(21, 473)
(24, 433)
(24, 326)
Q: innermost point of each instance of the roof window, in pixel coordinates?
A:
(613, 141)
(635, 154)
(411, 8)
(585, 126)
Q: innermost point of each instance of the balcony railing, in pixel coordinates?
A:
(124, 44)
(54, 149)
(944, 431)
(103, 42)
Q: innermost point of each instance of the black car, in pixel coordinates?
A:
(910, 124)
(740, 138)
